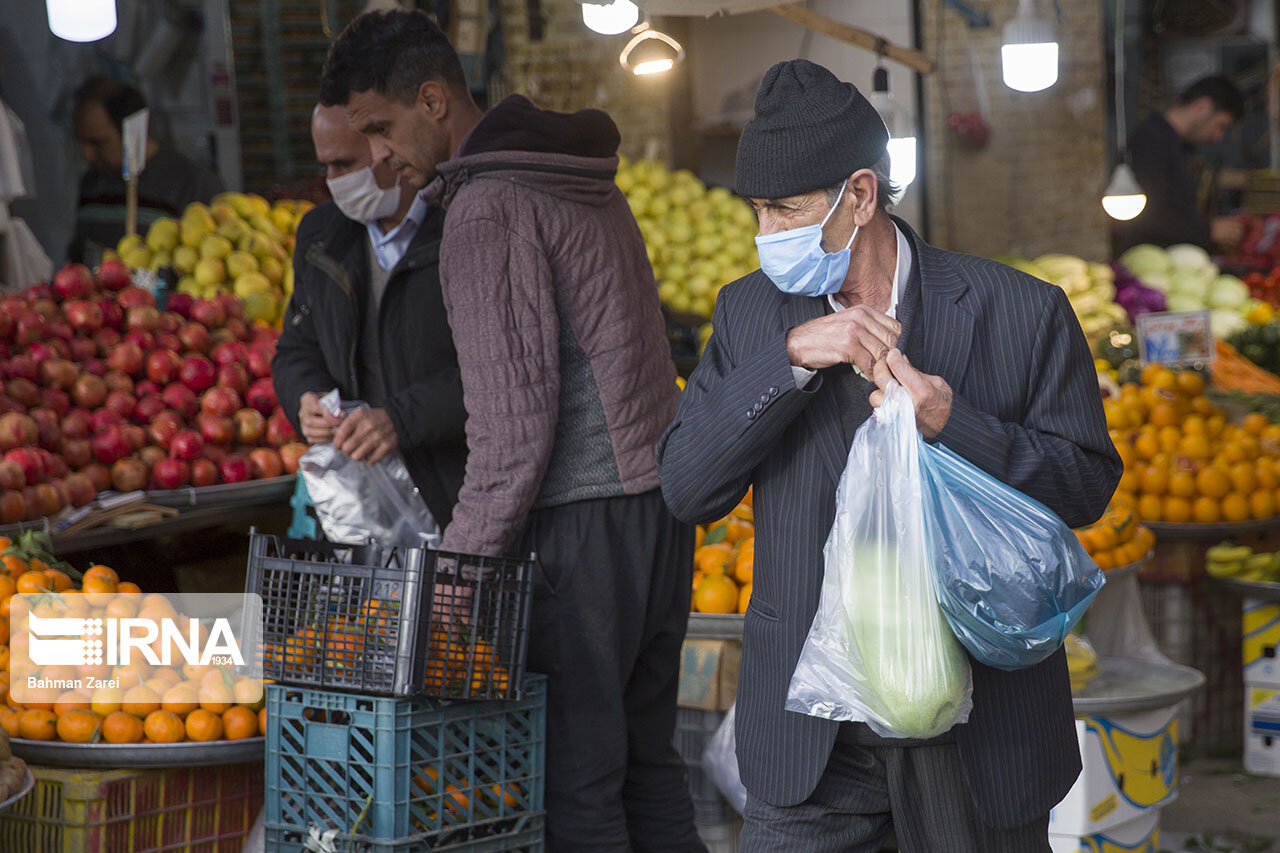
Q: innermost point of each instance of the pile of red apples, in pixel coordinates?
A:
(103, 391)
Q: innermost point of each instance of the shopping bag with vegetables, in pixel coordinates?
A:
(879, 650)
(1013, 580)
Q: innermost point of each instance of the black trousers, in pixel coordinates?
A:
(874, 785)
(610, 609)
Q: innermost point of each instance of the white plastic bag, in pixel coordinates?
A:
(720, 763)
(358, 503)
(879, 650)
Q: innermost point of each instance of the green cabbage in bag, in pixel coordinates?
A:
(880, 650)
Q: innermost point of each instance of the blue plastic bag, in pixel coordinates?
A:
(1011, 577)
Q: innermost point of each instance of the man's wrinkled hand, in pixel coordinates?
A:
(317, 424)
(857, 335)
(931, 394)
(366, 435)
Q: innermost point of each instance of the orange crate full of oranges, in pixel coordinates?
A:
(1184, 461)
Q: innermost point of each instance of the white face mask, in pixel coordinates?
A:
(359, 197)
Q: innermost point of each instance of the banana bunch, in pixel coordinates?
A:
(1082, 661)
(1238, 561)
(1089, 287)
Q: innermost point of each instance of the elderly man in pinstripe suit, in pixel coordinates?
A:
(849, 298)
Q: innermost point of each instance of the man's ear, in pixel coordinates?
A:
(866, 190)
(434, 99)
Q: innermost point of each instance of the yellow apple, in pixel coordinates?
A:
(210, 270)
(163, 235)
(215, 246)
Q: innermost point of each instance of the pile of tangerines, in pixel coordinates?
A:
(1183, 460)
(151, 704)
(723, 562)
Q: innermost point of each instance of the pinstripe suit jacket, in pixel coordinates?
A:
(1026, 410)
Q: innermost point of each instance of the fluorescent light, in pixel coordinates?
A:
(653, 66)
(610, 19)
(81, 20)
(902, 161)
(1124, 198)
(1029, 55)
(660, 53)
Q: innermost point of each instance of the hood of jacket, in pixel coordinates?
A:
(570, 155)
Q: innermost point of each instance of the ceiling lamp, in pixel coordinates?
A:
(650, 52)
(1124, 198)
(610, 19)
(902, 135)
(1029, 56)
(81, 20)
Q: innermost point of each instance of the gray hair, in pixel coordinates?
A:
(886, 190)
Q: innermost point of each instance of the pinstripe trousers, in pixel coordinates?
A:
(872, 786)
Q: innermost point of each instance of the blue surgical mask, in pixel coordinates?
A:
(796, 263)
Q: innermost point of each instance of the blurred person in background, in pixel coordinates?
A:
(568, 383)
(367, 318)
(1160, 150)
(169, 182)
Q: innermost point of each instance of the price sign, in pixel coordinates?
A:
(1175, 338)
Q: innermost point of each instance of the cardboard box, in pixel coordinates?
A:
(1141, 835)
(1260, 631)
(709, 674)
(1262, 730)
(1130, 769)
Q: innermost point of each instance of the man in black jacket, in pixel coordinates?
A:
(1161, 150)
(999, 372)
(367, 318)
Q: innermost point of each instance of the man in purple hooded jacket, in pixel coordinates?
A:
(568, 383)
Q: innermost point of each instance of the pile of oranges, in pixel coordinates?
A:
(1118, 538)
(144, 704)
(1183, 461)
(458, 660)
(723, 562)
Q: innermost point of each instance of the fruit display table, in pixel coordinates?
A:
(114, 756)
(196, 509)
(1194, 621)
(1129, 685)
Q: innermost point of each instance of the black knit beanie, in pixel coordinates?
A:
(810, 131)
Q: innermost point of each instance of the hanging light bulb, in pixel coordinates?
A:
(1029, 56)
(902, 137)
(610, 19)
(1124, 198)
(81, 20)
(650, 52)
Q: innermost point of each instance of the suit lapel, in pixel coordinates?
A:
(822, 413)
(937, 333)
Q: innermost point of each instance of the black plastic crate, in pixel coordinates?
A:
(394, 621)
(694, 730)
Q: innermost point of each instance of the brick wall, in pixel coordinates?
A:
(1036, 186)
(572, 68)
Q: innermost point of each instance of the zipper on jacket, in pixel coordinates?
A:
(465, 173)
(338, 274)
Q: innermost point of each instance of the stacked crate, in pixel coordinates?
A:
(709, 664)
(1260, 628)
(401, 717)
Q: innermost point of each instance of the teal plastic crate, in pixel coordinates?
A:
(419, 772)
(527, 838)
